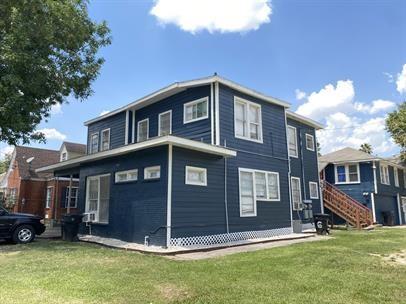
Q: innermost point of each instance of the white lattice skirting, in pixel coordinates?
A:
(207, 240)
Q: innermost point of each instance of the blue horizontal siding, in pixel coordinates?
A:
(386, 203)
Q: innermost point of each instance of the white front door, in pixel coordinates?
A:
(404, 209)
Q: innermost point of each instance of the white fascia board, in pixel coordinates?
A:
(305, 120)
(181, 86)
(154, 142)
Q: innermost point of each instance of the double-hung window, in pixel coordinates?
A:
(196, 176)
(347, 173)
(94, 143)
(105, 140)
(143, 130)
(309, 142)
(248, 204)
(196, 110)
(396, 176)
(384, 172)
(126, 176)
(98, 197)
(48, 197)
(267, 186)
(247, 120)
(165, 123)
(292, 142)
(296, 194)
(314, 190)
(64, 156)
(73, 197)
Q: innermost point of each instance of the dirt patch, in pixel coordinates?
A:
(171, 292)
(10, 253)
(398, 258)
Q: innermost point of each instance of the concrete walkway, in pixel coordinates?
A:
(246, 248)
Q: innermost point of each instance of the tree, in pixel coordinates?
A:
(365, 147)
(318, 149)
(396, 126)
(48, 51)
(5, 163)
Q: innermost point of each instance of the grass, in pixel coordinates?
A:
(347, 269)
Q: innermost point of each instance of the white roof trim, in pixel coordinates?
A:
(154, 142)
(181, 86)
(305, 120)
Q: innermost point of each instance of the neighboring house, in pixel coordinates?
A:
(198, 162)
(71, 150)
(377, 183)
(28, 191)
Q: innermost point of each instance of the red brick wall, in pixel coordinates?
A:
(57, 208)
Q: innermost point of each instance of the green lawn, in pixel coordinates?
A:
(346, 269)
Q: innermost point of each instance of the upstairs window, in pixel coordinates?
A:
(196, 176)
(309, 142)
(105, 140)
(292, 142)
(196, 110)
(94, 143)
(152, 172)
(396, 176)
(296, 193)
(384, 171)
(347, 173)
(247, 120)
(165, 123)
(143, 130)
(73, 197)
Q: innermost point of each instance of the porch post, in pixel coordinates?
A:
(69, 193)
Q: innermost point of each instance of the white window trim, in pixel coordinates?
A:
(101, 147)
(381, 166)
(138, 129)
(396, 177)
(127, 172)
(300, 189)
(76, 197)
(297, 147)
(91, 142)
(312, 137)
(317, 189)
(146, 169)
(50, 198)
(191, 103)
(253, 189)
(267, 187)
(248, 103)
(170, 122)
(188, 182)
(347, 174)
(98, 197)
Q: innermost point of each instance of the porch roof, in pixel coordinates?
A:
(154, 142)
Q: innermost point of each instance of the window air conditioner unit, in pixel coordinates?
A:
(89, 217)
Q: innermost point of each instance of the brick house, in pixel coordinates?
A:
(26, 191)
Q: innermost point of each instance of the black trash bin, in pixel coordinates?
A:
(70, 226)
(321, 221)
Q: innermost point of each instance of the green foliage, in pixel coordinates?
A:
(365, 147)
(5, 163)
(396, 126)
(48, 51)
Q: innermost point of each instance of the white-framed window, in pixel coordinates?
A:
(384, 172)
(248, 203)
(314, 190)
(165, 123)
(143, 130)
(94, 143)
(64, 156)
(196, 110)
(296, 193)
(73, 197)
(152, 172)
(292, 142)
(247, 120)
(105, 140)
(267, 186)
(98, 197)
(396, 176)
(309, 142)
(48, 197)
(347, 173)
(195, 176)
(126, 176)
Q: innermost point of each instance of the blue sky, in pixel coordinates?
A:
(339, 62)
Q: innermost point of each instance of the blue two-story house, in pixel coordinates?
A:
(377, 183)
(199, 162)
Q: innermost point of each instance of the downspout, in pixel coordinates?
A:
(212, 113)
(289, 172)
(375, 192)
(217, 111)
(169, 198)
(318, 175)
(399, 209)
(302, 164)
(225, 191)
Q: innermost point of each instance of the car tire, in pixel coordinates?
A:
(23, 234)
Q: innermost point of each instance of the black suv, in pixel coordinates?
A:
(20, 227)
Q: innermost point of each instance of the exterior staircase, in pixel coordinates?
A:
(345, 206)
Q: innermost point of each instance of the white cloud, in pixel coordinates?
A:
(104, 112)
(300, 94)
(52, 134)
(401, 81)
(224, 16)
(376, 106)
(6, 150)
(56, 109)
